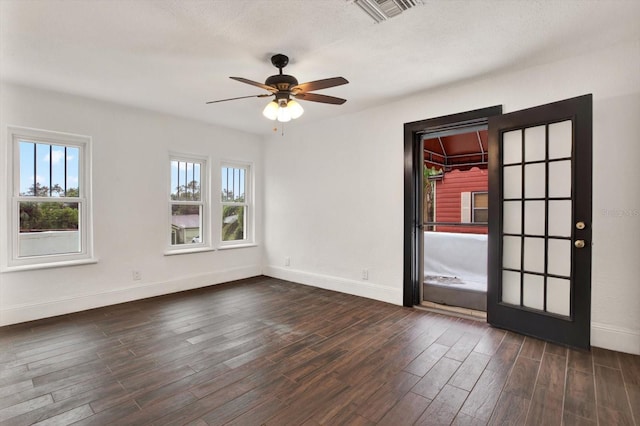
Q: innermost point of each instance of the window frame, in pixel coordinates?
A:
(13, 261)
(474, 208)
(248, 204)
(206, 239)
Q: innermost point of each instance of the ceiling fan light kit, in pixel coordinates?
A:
(283, 110)
(283, 87)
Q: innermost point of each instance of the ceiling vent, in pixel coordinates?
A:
(381, 10)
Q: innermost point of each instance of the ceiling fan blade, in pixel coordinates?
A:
(319, 84)
(254, 83)
(314, 97)
(240, 97)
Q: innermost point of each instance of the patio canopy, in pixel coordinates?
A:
(456, 151)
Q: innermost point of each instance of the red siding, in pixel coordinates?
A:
(448, 192)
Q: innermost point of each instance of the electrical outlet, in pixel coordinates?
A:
(287, 261)
(365, 274)
(137, 275)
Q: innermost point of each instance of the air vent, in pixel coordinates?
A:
(381, 10)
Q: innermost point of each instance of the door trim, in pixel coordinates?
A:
(413, 160)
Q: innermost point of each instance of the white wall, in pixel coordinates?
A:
(130, 179)
(332, 193)
(334, 190)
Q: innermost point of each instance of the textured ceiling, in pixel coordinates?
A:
(174, 55)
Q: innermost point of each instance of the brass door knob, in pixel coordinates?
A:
(579, 244)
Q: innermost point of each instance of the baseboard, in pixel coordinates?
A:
(602, 335)
(615, 338)
(34, 311)
(357, 288)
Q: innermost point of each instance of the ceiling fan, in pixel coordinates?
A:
(284, 87)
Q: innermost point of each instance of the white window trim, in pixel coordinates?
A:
(12, 262)
(206, 239)
(249, 203)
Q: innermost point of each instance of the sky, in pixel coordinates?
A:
(184, 172)
(49, 169)
(232, 179)
(49, 165)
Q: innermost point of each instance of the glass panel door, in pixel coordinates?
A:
(540, 211)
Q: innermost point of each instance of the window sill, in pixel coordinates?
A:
(50, 265)
(177, 252)
(235, 246)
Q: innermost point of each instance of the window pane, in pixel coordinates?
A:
(559, 296)
(512, 182)
(560, 139)
(512, 217)
(27, 167)
(233, 184)
(48, 170)
(233, 221)
(511, 287)
(560, 178)
(534, 217)
(186, 224)
(43, 166)
(512, 147)
(481, 199)
(73, 172)
(185, 180)
(560, 218)
(511, 252)
(533, 291)
(534, 143)
(534, 254)
(48, 228)
(534, 180)
(559, 255)
(481, 216)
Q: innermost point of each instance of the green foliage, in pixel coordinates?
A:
(428, 192)
(56, 190)
(188, 192)
(184, 209)
(48, 216)
(232, 223)
(430, 171)
(227, 195)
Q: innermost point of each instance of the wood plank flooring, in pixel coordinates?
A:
(266, 351)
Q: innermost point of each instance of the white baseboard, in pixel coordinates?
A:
(615, 338)
(602, 335)
(34, 311)
(357, 288)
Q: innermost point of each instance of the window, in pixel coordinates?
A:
(188, 208)
(480, 207)
(50, 220)
(236, 207)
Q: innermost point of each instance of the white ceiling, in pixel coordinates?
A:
(173, 55)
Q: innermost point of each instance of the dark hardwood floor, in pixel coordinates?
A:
(266, 351)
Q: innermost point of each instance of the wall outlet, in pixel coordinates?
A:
(287, 261)
(137, 275)
(365, 274)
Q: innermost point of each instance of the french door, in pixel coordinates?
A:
(539, 258)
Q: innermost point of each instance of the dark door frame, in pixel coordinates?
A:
(413, 163)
